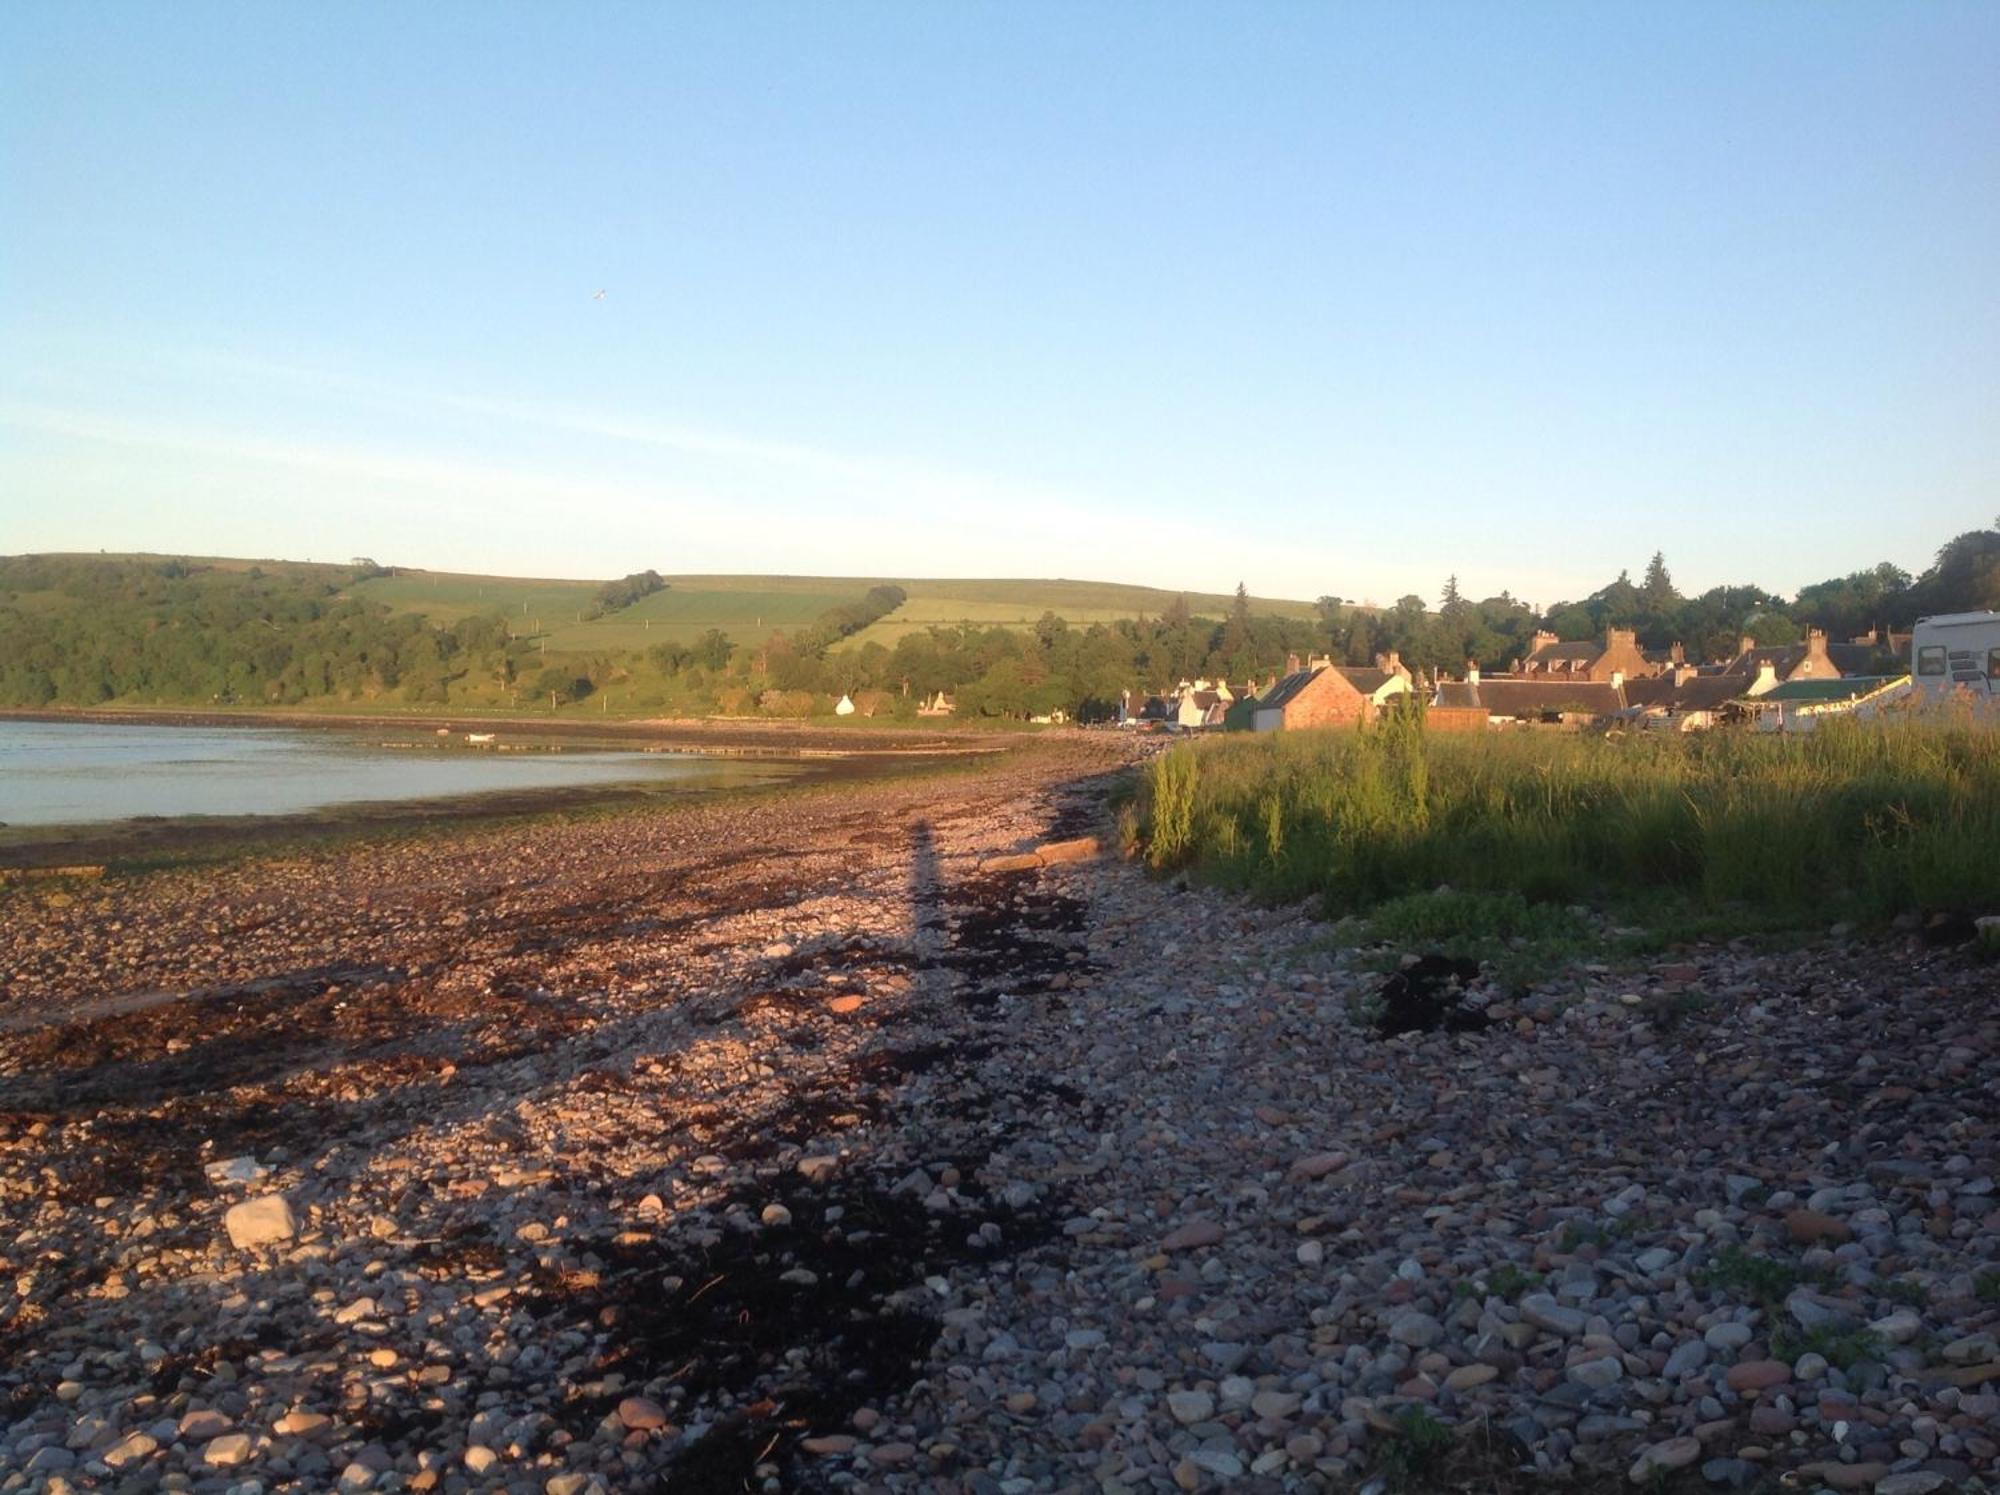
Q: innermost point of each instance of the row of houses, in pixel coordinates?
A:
(1615, 682)
(1607, 682)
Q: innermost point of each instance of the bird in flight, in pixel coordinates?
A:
(598, 297)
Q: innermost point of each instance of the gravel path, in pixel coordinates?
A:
(800, 1145)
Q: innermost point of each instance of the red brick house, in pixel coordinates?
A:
(1329, 695)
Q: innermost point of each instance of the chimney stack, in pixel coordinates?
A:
(1291, 664)
(1472, 672)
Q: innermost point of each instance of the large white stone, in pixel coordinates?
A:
(262, 1221)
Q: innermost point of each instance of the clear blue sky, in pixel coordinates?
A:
(1326, 298)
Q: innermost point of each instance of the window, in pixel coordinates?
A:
(1930, 660)
(1993, 664)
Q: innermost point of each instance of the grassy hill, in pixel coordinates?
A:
(92, 630)
(749, 607)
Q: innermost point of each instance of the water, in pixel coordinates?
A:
(73, 773)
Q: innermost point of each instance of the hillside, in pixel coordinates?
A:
(89, 630)
(751, 607)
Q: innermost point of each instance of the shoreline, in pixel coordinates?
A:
(38, 853)
(719, 732)
(853, 1146)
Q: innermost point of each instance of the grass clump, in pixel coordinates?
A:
(1843, 1348)
(1765, 1280)
(1414, 1451)
(1909, 1292)
(1986, 1287)
(1858, 820)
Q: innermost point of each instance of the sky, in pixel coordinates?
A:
(1322, 298)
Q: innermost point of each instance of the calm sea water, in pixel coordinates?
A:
(68, 773)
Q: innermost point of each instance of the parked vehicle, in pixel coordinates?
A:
(1957, 651)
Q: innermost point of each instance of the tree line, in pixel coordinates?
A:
(87, 630)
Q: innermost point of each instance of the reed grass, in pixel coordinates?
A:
(1859, 820)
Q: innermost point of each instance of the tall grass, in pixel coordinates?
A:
(1859, 819)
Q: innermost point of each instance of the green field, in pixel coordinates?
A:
(1018, 604)
(744, 607)
(748, 607)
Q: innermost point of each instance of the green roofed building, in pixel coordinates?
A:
(1798, 705)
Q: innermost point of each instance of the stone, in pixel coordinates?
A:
(1194, 1234)
(1469, 1377)
(1190, 1406)
(775, 1216)
(1727, 1336)
(1319, 1165)
(1910, 1482)
(133, 1448)
(1418, 1330)
(235, 1171)
(1597, 1375)
(1079, 849)
(1025, 861)
(301, 1424)
(817, 1170)
(1276, 1406)
(1899, 1327)
(202, 1424)
(263, 1221)
(1689, 1356)
(228, 1451)
(1669, 1455)
(1544, 1312)
(1810, 1227)
(1757, 1375)
(479, 1458)
(829, 1445)
(641, 1414)
(1859, 1476)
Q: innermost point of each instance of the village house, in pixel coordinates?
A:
(1687, 700)
(1324, 694)
(1542, 700)
(1617, 659)
(937, 705)
(1815, 659)
(1201, 708)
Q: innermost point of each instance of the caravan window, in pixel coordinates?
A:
(1930, 660)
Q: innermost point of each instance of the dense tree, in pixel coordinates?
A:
(1657, 590)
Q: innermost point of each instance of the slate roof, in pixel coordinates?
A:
(1700, 693)
(1586, 650)
(1849, 659)
(1285, 689)
(1367, 681)
(1526, 697)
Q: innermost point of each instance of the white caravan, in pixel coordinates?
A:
(1957, 651)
